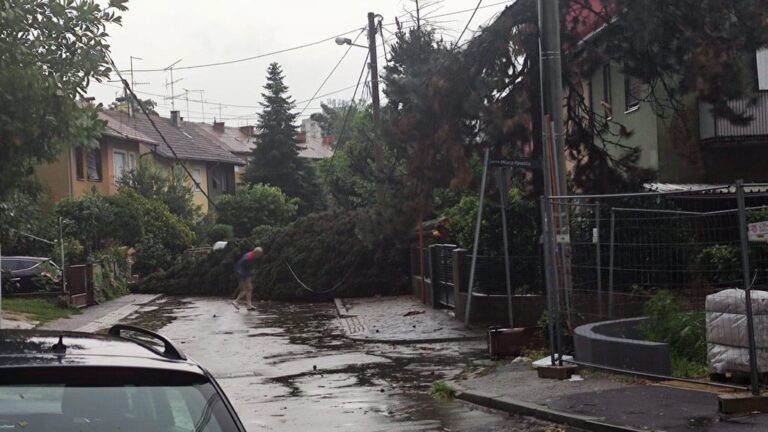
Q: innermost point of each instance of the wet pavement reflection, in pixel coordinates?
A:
(288, 367)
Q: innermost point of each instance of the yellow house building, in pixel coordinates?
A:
(208, 160)
(79, 171)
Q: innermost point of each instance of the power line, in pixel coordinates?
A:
(228, 62)
(349, 110)
(453, 13)
(332, 71)
(227, 104)
(469, 21)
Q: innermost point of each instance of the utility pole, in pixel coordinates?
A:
(557, 256)
(552, 87)
(378, 154)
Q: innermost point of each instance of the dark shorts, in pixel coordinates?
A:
(243, 276)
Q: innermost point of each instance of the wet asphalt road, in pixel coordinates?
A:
(287, 367)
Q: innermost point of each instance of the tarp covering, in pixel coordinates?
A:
(727, 337)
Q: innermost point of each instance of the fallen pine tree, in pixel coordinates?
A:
(316, 257)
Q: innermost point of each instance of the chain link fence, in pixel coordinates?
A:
(658, 283)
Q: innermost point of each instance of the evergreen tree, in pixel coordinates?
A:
(275, 159)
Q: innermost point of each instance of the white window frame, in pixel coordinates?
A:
(197, 177)
(119, 175)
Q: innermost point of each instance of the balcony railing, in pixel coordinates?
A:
(714, 128)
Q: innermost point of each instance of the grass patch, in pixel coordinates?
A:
(42, 310)
(441, 390)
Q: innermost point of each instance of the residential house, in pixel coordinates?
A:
(210, 162)
(238, 140)
(314, 146)
(78, 171)
(694, 146)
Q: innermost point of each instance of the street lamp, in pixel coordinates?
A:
(347, 41)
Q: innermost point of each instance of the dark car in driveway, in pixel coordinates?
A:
(24, 274)
(130, 379)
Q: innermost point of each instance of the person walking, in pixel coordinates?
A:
(244, 268)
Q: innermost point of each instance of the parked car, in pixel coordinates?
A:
(30, 274)
(131, 379)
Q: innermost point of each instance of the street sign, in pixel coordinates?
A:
(758, 231)
(516, 163)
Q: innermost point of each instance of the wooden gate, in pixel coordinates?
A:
(80, 285)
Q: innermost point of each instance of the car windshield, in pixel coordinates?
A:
(186, 404)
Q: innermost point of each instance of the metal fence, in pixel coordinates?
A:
(665, 284)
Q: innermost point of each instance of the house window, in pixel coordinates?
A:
(197, 175)
(121, 165)
(93, 165)
(632, 91)
(124, 163)
(607, 102)
(79, 168)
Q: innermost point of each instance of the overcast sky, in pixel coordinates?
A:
(208, 31)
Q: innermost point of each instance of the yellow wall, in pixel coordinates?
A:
(55, 177)
(59, 178)
(198, 197)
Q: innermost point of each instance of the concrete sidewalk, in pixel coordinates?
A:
(604, 402)
(400, 320)
(101, 316)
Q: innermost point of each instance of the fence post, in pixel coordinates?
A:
(476, 243)
(501, 182)
(435, 273)
(597, 258)
(744, 240)
(611, 258)
(459, 270)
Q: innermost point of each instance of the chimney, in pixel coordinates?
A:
(176, 118)
(218, 126)
(247, 131)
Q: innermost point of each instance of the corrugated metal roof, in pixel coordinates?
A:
(703, 188)
(187, 141)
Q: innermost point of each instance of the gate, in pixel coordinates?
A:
(441, 266)
(80, 285)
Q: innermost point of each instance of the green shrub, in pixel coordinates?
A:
(220, 232)
(169, 187)
(441, 390)
(326, 250)
(685, 332)
(127, 219)
(111, 273)
(253, 206)
(719, 264)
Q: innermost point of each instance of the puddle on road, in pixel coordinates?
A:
(288, 367)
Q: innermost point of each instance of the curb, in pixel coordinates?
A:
(342, 311)
(417, 341)
(538, 411)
